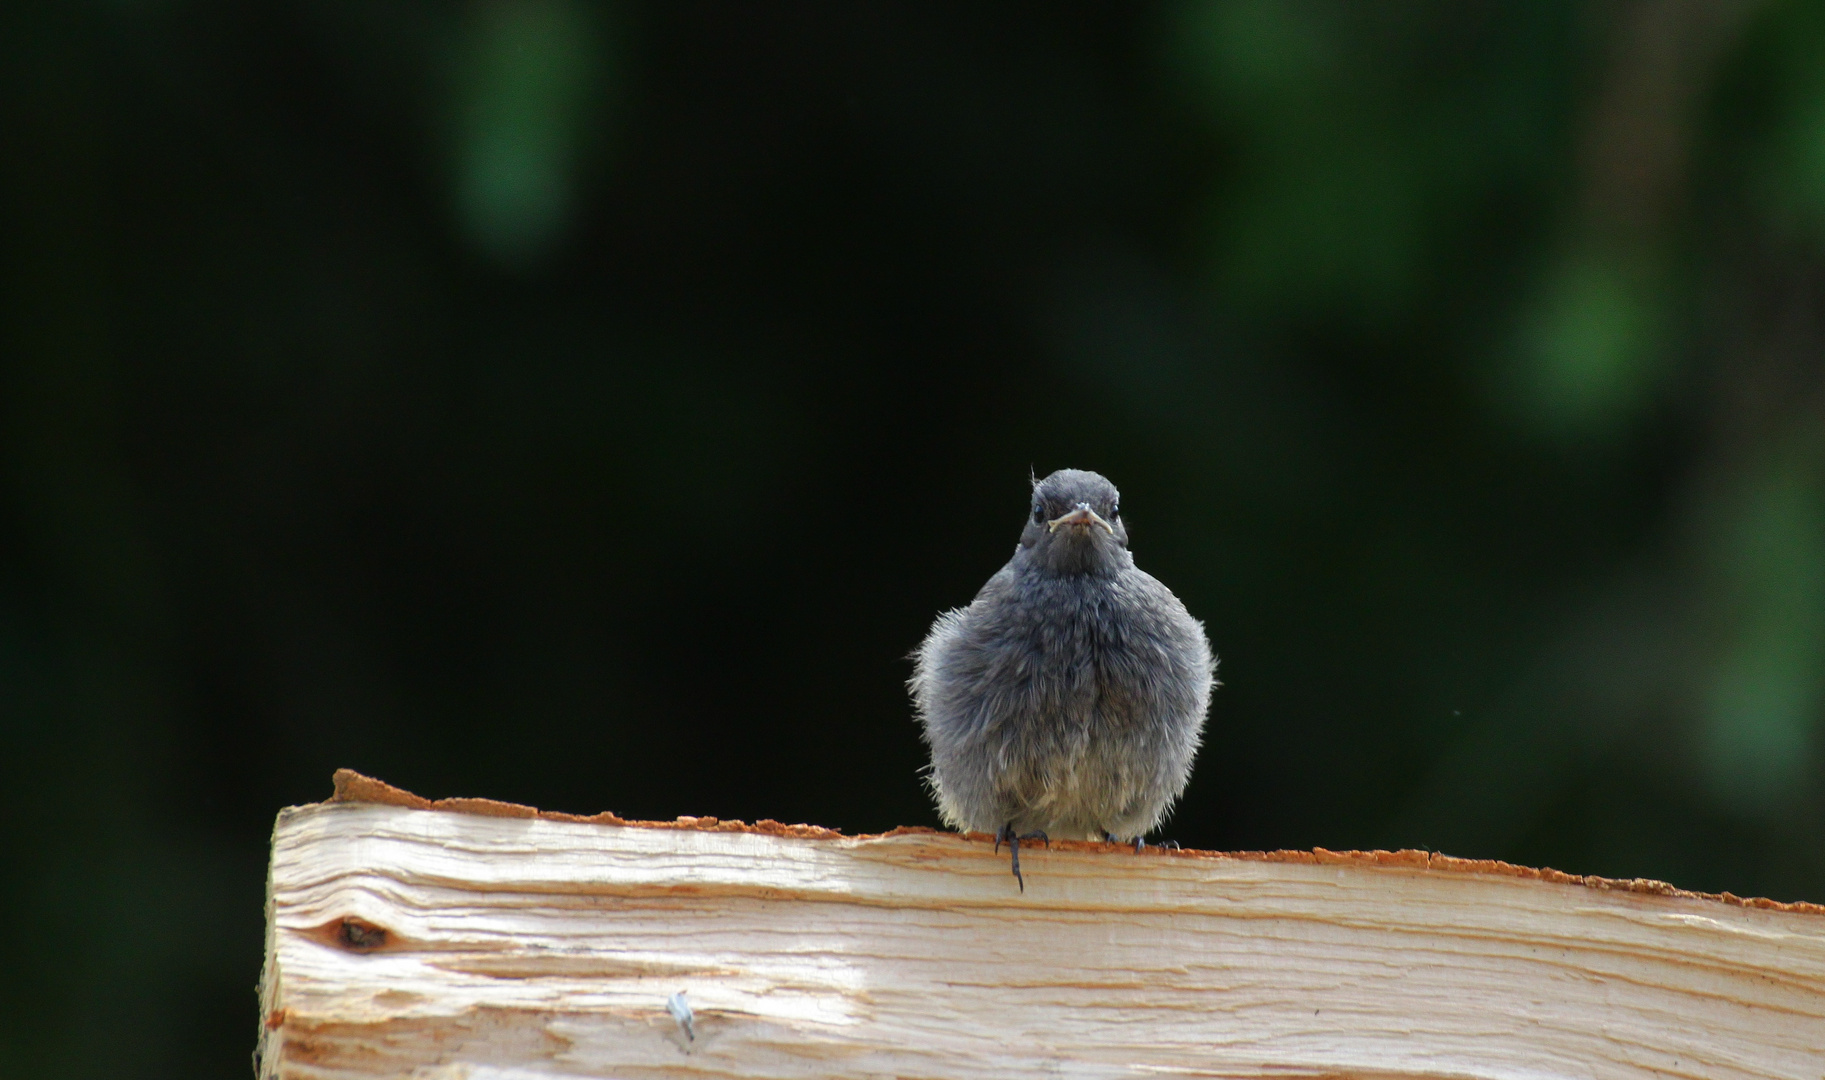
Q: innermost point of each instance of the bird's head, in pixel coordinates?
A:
(1074, 525)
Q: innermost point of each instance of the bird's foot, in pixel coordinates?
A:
(1140, 843)
(1013, 841)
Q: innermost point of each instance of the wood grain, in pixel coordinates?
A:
(416, 942)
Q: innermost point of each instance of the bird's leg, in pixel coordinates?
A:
(1013, 842)
(1007, 833)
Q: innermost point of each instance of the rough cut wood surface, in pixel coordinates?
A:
(477, 939)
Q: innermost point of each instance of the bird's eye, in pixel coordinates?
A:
(1115, 510)
(1039, 513)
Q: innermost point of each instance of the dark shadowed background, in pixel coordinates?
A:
(590, 405)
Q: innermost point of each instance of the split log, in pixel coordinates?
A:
(472, 939)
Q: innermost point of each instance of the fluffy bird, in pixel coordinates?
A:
(1068, 699)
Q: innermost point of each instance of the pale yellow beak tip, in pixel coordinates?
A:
(1080, 515)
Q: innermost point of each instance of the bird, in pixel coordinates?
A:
(1068, 699)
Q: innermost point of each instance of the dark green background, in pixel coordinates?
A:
(590, 405)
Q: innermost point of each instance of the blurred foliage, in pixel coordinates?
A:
(526, 82)
(590, 405)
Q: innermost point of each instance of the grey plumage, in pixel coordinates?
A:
(1069, 697)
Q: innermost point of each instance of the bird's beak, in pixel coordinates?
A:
(1083, 515)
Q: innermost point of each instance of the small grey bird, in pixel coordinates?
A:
(1068, 699)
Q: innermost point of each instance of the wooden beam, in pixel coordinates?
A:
(480, 940)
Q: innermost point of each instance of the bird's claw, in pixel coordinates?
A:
(1140, 844)
(1013, 841)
